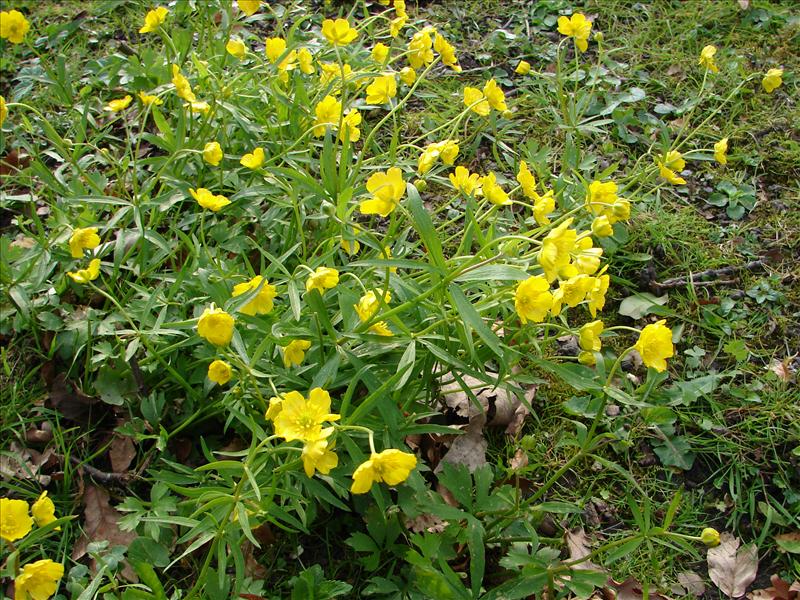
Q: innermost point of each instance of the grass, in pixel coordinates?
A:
(744, 434)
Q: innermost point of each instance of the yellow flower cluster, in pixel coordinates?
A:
(37, 580)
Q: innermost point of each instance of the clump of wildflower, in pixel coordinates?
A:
(420, 48)
(446, 150)
(556, 248)
(182, 86)
(483, 101)
(390, 466)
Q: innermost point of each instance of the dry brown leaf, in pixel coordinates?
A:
(26, 463)
(519, 460)
(578, 545)
(692, 583)
(631, 589)
(732, 568)
(426, 522)
(744, 4)
(121, 453)
(468, 449)
(781, 369)
(780, 590)
(100, 522)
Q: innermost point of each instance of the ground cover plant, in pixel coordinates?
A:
(382, 300)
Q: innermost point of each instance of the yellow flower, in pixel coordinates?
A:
(220, 372)
(463, 181)
(707, 58)
(306, 61)
(153, 19)
(396, 24)
(322, 279)
(578, 27)
(249, 7)
(420, 49)
(350, 124)
(447, 52)
(721, 151)
(328, 113)
(601, 197)
(295, 352)
(85, 238)
(601, 227)
(408, 75)
(400, 8)
(91, 273)
(276, 405)
(556, 248)
(262, 303)
(253, 160)
(236, 47)
(212, 153)
(43, 510)
(316, 456)
(495, 96)
(596, 298)
(447, 150)
(523, 68)
(274, 48)
(668, 166)
(380, 52)
(589, 336)
(338, 32)
(301, 419)
(38, 580)
(476, 101)
(333, 73)
(655, 345)
(368, 305)
(543, 206)
(149, 100)
(15, 522)
(527, 181)
(387, 188)
(710, 537)
(119, 104)
(493, 192)
(772, 80)
(198, 106)
(381, 90)
(390, 466)
(216, 326)
(3, 110)
(182, 87)
(571, 292)
(532, 299)
(387, 254)
(350, 246)
(587, 259)
(13, 26)
(207, 199)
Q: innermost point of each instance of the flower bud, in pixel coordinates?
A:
(598, 36)
(587, 358)
(328, 208)
(601, 227)
(710, 537)
(421, 185)
(507, 114)
(510, 248)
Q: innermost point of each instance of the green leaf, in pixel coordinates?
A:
(473, 319)
(424, 227)
(674, 452)
(640, 305)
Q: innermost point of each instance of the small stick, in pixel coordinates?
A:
(702, 277)
(98, 475)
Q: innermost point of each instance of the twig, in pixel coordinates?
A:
(708, 277)
(98, 475)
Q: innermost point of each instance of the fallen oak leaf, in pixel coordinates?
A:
(631, 589)
(732, 568)
(780, 590)
(121, 453)
(578, 545)
(692, 583)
